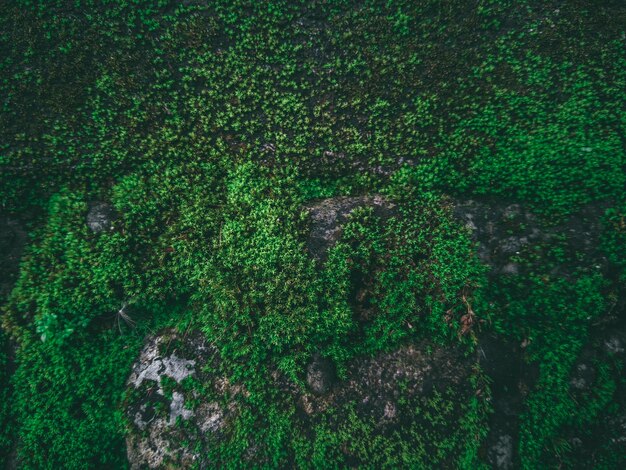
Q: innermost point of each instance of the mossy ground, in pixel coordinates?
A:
(208, 125)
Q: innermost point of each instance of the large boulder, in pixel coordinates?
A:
(165, 431)
(381, 383)
(512, 240)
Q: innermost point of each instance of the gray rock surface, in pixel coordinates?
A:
(155, 440)
(320, 374)
(381, 383)
(329, 215)
(100, 217)
(154, 366)
(582, 376)
(614, 344)
(504, 231)
(501, 453)
(379, 386)
(210, 417)
(177, 409)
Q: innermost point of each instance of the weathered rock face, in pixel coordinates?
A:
(165, 431)
(378, 385)
(329, 215)
(505, 234)
(100, 217)
(381, 382)
(504, 231)
(152, 366)
(501, 452)
(159, 403)
(320, 374)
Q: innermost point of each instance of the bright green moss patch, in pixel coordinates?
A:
(62, 422)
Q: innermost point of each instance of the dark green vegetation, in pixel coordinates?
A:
(208, 127)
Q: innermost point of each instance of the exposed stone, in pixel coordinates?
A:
(390, 411)
(155, 440)
(152, 366)
(379, 385)
(614, 345)
(177, 408)
(501, 453)
(144, 415)
(505, 231)
(619, 424)
(510, 268)
(320, 374)
(306, 404)
(582, 377)
(505, 236)
(500, 230)
(100, 217)
(329, 215)
(148, 450)
(210, 417)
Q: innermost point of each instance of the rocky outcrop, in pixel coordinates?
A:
(165, 430)
(160, 410)
(158, 403)
(504, 231)
(509, 239)
(100, 217)
(379, 384)
(328, 216)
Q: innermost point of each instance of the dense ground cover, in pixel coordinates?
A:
(208, 125)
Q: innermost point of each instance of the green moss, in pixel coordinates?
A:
(66, 401)
(207, 126)
(7, 435)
